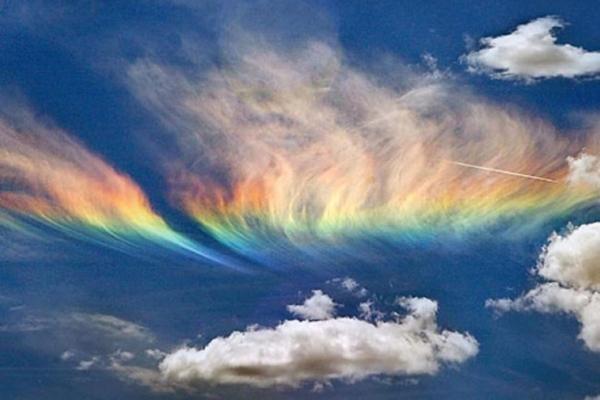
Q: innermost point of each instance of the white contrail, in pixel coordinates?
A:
(501, 171)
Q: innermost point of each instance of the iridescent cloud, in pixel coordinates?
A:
(299, 145)
(49, 179)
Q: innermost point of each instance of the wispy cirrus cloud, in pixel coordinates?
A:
(298, 145)
(49, 179)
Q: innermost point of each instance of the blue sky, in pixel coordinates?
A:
(176, 176)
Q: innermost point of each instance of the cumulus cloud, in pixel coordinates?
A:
(290, 354)
(368, 312)
(317, 307)
(339, 348)
(88, 364)
(155, 354)
(122, 356)
(67, 355)
(553, 298)
(531, 52)
(350, 285)
(143, 375)
(571, 264)
(573, 259)
(585, 169)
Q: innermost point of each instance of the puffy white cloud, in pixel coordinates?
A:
(584, 169)
(574, 258)
(145, 376)
(418, 306)
(88, 364)
(368, 312)
(351, 286)
(67, 355)
(122, 356)
(340, 348)
(155, 354)
(553, 298)
(570, 264)
(531, 52)
(318, 306)
(290, 354)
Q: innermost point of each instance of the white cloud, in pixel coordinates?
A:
(351, 286)
(88, 364)
(573, 259)
(341, 348)
(571, 264)
(148, 377)
(122, 356)
(317, 307)
(419, 306)
(111, 326)
(290, 354)
(531, 52)
(155, 354)
(292, 110)
(67, 355)
(553, 298)
(584, 169)
(368, 312)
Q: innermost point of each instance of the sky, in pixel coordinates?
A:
(299, 200)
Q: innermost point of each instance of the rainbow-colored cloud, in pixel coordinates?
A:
(48, 178)
(298, 145)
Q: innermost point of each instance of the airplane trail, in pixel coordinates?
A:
(501, 171)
